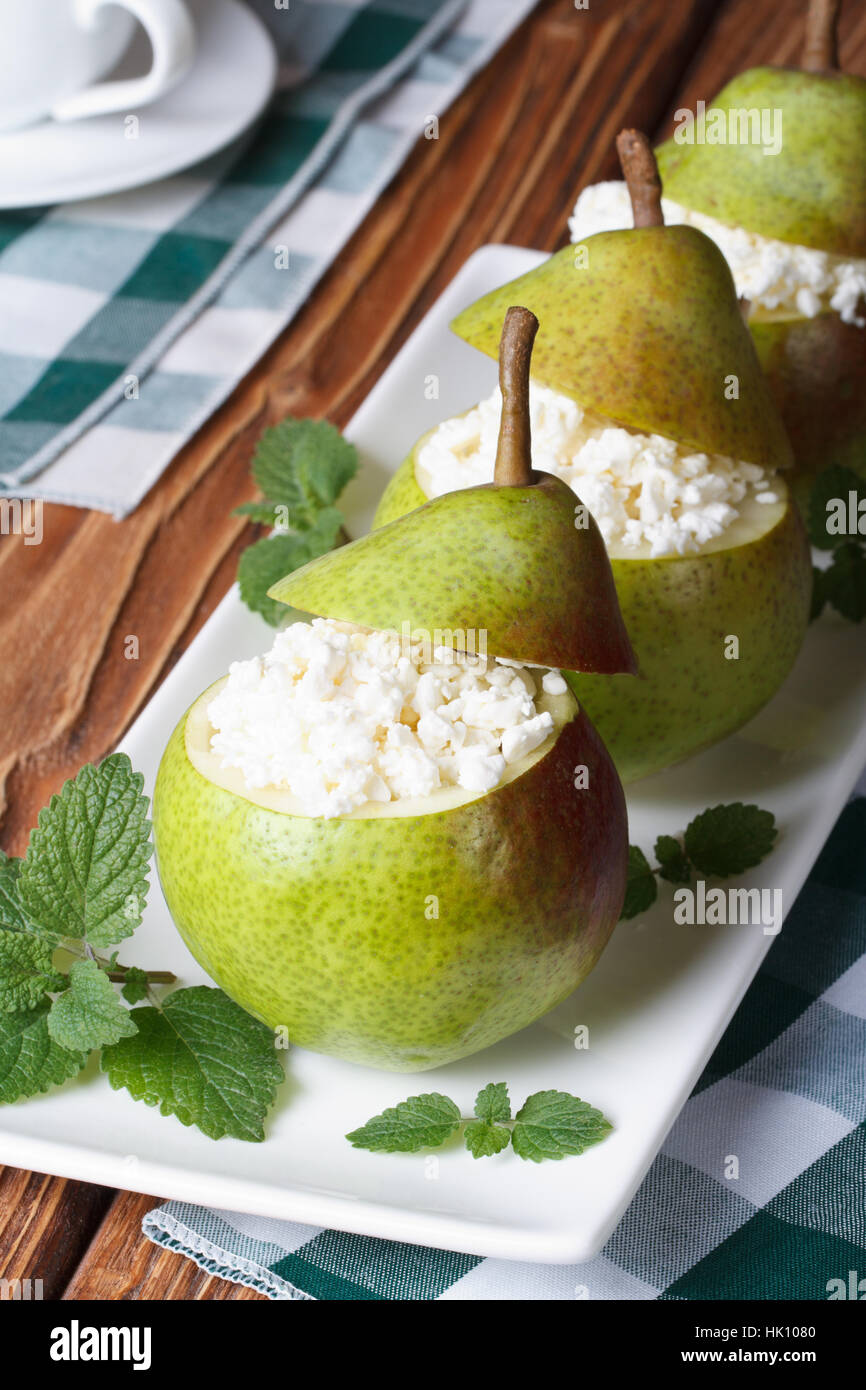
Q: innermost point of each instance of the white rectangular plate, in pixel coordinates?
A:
(655, 1006)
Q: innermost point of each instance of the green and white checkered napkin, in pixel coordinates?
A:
(179, 284)
(785, 1090)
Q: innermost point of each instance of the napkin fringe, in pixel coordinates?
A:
(162, 1228)
(252, 236)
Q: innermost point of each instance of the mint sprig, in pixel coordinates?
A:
(85, 871)
(89, 1013)
(553, 1124)
(549, 1125)
(26, 971)
(421, 1122)
(641, 889)
(202, 1058)
(487, 1135)
(30, 1060)
(301, 467)
(720, 842)
(266, 561)
(81, 886)
(837, 522)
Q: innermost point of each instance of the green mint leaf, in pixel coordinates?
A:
(85, 871)
(421, 1122)
(88, 1014)
(492, 1103)
(303, 464)
(729, 839)
(12, 914)
(134, 987)
(641, 888)
(844, 583)
(30, 1060)
(553, 1124)
(483, 1140)
(829, 507)
(674, 865)
(26, 971)
(272, 558)
(202, 1058)
(266, 513)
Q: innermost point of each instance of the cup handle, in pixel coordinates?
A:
(171, 32)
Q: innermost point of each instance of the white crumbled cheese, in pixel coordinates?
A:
(775, 276)
(339, 716)
(641, 489)
(553, 684)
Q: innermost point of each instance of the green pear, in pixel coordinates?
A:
(424, 573)
(643, 326)
(407, 572)
(817, 373)
(693, 687)
(411, 933)
(811, 193)
(403, 936)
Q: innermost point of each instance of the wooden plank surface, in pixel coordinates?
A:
(532, 129)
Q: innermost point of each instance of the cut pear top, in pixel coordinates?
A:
(644, 326)
(518, 560)
(812, 192)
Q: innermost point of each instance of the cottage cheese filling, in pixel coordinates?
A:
(643, 490)
(339, 716)
(777, 277)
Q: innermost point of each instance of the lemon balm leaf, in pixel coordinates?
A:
(492, 1102)
(673, 860)
(729, 839)
(30, 1060)
(26, 971)
(303, 465)
(89, 1014)
(135, 983)
(844, 584)
(201, 1058)
(641, 887)
(85, 870)
(483, 1140)
(421, 1122)
(272, 558)
(553, 1124)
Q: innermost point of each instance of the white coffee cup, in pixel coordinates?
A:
(53, 51)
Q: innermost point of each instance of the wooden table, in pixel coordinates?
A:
(535, 126)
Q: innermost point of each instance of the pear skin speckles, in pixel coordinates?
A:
(648, 332)
(678, 612)
(506, 561)
(812, 191)
(325, 927)
(816, 369)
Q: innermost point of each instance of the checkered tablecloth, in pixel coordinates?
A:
(126, 320)
(785, 1091)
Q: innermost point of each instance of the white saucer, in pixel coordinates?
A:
(231, 79)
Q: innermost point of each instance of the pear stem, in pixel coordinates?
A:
(820, 53)
(642, 177)
(514, 449)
